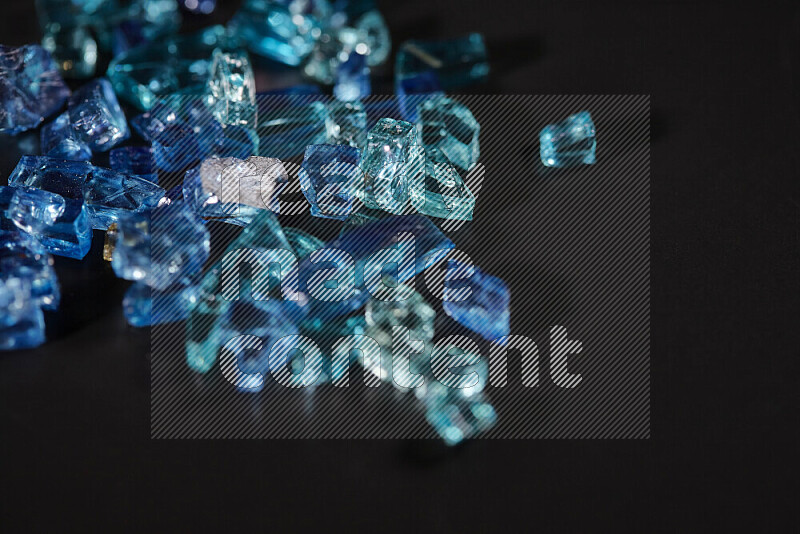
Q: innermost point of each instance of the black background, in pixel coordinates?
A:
(74, 414)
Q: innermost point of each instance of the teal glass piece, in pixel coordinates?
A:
(456, 414)
(440, 192)
(201, 7)
(359, 217)
(145, 306)
(328, 177)
(404, 356)
(302, 242)
(456, 62)
(215, 318)
(31, 88)
(450, 127)
(96, 116)
(287, 124)
(282, 30)
(485, 308)
(160, 247)
(232, 89)
(346, 123)
(390, 162)
(233, 190)
(569, 143)
(379, 43)
(165, 66)
(411, 92)
(325, 334)
(24, 259)
(60, 140)
(73, 48)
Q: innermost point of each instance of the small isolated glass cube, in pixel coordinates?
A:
(59, 140)
(97, 117)
(135, 160)
(450, 127)
(440, 192)
(454, 413)
(327, 178)
(477, 300)
(389, 163)
(571, 142)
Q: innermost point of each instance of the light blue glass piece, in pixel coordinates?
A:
(571, 142)
(33, 210)
(60, 140)
(159, 248)
(135, 160)
(26, 332)
(214, 319)
(31, 88)
(328, 177)
(145, 306)
(108, 194)
(440, 192)
(484, 309)
(233, 190)
(232, 89)
(201, 7)
(66, 178)
(346, 123)
(24, 258)
(73, 48)
(97, 117)
(456, 62)
(352, 78)
(378, 40)
(411, 92)
(450, 127)
(164, 66)
(283, 30)
(302, 242)
(334, 47)
(289, 123)
(325, 334)
(456, 414)
(389, 163)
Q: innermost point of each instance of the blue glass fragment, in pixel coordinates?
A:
(328, 178)
(31, 88)
(571, 142)
(127, 34)
(390, 162)
(203, 7)
(352, 78)
(159, 248)
(145, 306)
(73, 48)
(412, 91)
(476, 300)
(60, 140)
(24, 258)
(97, 117)
(135, 160)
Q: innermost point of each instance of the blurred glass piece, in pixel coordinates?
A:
(126, 35)
(477, 300)
(232, 89)
(287, 124)
(411, 92)
(177, 146)
(328, 177)
(283, 30)
(440, 192)
(135, 160)
(450, 127)
(346, 123)
(214, 318)
(97, 117)
(159, 248)
(456, 62)
(334, 47)
(389, 164)
(454, 413)
(60, 140)
(377, 36)
(233, 190)
(25, 259)
(299, 89)
(302, 242)
(141, 21)
(165, 66)
(352, 78)
(145, 306)
(26, 330)
(73, 48)
(202, 7)
(31, 89)
(571, 142)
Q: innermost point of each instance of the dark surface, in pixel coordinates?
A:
(74, 414)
